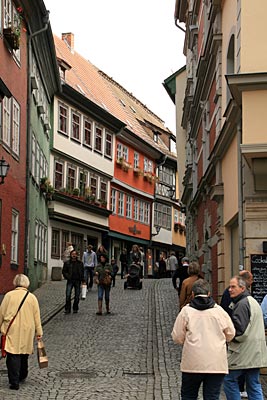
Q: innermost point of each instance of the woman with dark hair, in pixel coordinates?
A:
(101, 250)
(21, 332)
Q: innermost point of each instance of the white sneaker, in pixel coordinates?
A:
(243, 395)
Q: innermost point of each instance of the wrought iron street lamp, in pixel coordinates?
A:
(4, 167)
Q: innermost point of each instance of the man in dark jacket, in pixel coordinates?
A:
(181, 272)
(73, 271)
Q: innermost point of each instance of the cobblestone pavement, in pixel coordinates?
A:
(127, 355)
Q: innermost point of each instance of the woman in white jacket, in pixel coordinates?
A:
(203, 328)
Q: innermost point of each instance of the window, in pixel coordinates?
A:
(121, 204)
(16, 127)
(75, 126)
(166, 175)
(58, 175)
(147, 213)
(83, 182)
(14, 236)
(108, 145)
(103, 190)
(36, 240)
(37, 169)
(122, 151)
(71, 172)
(98, 138)
(136, 159)
(87, 133)
(136, 206)
(33, 155)
(7, 121)
(148, 165)
(65, 239)
(141, 211)
(162, 216)
(129, 206)
(93, 185)
(113, 201)
(63, 119)
(77, 242)
(55, 243)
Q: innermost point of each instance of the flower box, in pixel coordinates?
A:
(12, 36)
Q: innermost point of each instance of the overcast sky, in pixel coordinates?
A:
(134, 41)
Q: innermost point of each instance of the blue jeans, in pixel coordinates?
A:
(211, 385)
(253, 385)
(77, 288)
(101, 290)
(89, 276)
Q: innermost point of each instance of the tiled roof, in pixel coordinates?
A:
(98, 87)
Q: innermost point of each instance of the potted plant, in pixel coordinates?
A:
(49, 193)
(103, 203)
(13, 31)
(44, 182)
(76, 192)
(137, 171)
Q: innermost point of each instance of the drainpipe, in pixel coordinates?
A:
(27, 224)
(240, 198)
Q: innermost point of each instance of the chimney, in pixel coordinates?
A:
(69, 38)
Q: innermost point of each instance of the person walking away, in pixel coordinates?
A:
(173, 263)
(73, 271)
(26, 325)
(162, 266)
(247, 353)
(124, 263)
(89, 262)
(186, 290)
(181, 274)
(66, 254)
(103, 280)
(203, 328)
(114, 272)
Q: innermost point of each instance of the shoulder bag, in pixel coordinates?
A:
(3, 336)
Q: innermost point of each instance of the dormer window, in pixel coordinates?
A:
(63, 66)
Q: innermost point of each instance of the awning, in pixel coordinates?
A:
(128, 238)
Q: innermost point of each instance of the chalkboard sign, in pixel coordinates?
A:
(259, 271)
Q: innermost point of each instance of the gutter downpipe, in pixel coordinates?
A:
(240, 198)
(27, 224)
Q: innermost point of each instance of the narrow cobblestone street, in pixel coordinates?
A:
(127, 355)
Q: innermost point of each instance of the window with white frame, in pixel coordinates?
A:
(146, 213)
(87, 132)
(37, 170)
(98, 138)
(148, 165)
(6, 136)
(36, 230)
(14, 236)
(162, 215)
(176, 216)
(113, 201)
(103, 190)
(129, 202)
(59, 177)
(75, 125)
(93, 185)
(141, 211)
(122, 151)
(108, 144)
(121, 204)
(166, 175)
(55, 243)
(33, 160)
(11, 19)
(15, 127)
(83, 179)
(71, 175)
(136, 159)
(63, 118)
(136, 209)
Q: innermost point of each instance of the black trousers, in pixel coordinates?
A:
(17, 367)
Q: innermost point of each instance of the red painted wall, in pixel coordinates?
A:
(13, 191)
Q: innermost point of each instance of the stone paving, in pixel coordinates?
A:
(128, 355)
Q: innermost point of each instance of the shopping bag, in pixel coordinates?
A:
(84, 291)
(3, 343)
(41, 354)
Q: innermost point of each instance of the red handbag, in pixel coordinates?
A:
(3, 343)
